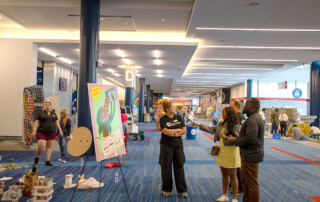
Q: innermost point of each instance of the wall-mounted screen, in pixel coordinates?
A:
(62, 84)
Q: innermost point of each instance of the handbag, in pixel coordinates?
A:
(216, 148)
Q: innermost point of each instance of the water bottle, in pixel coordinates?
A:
(81, 163)
(116, 179)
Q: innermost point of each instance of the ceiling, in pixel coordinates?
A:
(195, 60)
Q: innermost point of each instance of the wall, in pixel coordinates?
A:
(52, 72)
(18, 70)
(238, 91)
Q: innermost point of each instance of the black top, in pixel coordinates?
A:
(47, 122)
(175, 122)
(251, 139)
(66, 129)
(241, 117)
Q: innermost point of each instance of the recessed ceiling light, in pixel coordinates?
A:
(262, 47)
(158, 62)
(65, 60)
(49, 52)
(163, 20)
(157, 54)
(136, 66)
(255, 29)
(120, 53)
(249, 60)
(0, 17)
(159, 71)
(127, 61)
(217, 74)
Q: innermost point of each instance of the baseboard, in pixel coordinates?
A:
(10, 137)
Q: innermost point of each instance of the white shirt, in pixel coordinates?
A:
(262, 115)
(283, 117)
(315, 129)
(191, 115)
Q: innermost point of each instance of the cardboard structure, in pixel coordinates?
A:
(106, 121)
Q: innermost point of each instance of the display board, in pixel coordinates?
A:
(106, 121)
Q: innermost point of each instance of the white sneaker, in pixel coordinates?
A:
(234, 200)
(223, 198)
(64, 161)
(60, 160)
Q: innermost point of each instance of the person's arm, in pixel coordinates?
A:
(35, 128)
(59, 128)
(250, 136)
(206, 128)
(68, 128)
(181, 132)
(170, 132)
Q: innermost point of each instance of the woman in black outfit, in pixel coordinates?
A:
(171, 151)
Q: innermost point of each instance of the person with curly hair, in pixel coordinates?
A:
(229, 156)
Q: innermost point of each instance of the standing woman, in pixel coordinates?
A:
(171, 151)
(65, 125)
(283, 118)
(229, 156)
(190, 116)
(45, 128)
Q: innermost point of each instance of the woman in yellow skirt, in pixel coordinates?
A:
(229, 156)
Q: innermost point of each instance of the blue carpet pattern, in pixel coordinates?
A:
(282, 177)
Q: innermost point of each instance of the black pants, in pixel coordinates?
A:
(172, 156)
(274, 128)
(283, 128)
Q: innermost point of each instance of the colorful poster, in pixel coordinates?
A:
(106, 121)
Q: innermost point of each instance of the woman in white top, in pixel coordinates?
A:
(190, 116)
(283, 118)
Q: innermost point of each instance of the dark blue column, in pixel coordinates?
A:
(315, 91)
(89, 31)
(148, 98)
(151, 98)
(141, 99)
(249, 88)
(129, 97)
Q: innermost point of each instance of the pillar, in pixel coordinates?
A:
(315, 91)
(249, 88)
(89, 30)
(148, 99)
(141, 99)
(151, 98)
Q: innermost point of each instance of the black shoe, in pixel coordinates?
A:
(48, 163)
(36, 160)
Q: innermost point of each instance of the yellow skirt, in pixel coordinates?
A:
(229, 156)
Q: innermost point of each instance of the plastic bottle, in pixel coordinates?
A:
(81, 163)
(116, 179)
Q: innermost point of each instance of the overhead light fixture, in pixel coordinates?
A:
(204, 77)
(157, 54)
(135, 66)
(239, 59)
(158, 62)
(0, 17)
(159, 75)
(228, 68)
(262, 47)
(127, 61)
(120, 53)
(117, 75)
(65, 60)
(159, 71)
(163, 20)
(138, 75)
(110, 70)
(256, 29)
(49, 52)
(217, 74)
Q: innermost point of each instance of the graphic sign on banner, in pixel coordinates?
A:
(297, 93)
(106, 121)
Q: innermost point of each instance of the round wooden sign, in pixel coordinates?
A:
(81, 141)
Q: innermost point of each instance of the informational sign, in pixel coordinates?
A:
(297, 93)
(282, 85)
(106, 121)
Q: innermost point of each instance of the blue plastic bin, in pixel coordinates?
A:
(191, 132)
(276, 136)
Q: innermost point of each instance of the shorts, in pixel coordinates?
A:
(46, 136)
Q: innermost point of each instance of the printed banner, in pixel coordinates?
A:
(106, 121)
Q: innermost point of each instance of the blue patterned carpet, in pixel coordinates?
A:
(282, 177)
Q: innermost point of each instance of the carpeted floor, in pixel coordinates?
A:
(282, 177)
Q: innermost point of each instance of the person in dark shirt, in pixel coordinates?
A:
(45, 128)
(251, 143)
(65, 125)
(171, 151)
(236, 106)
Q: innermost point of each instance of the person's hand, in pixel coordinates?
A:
(61, 134)
(68, 138)
(56, 138)
(194, 124)
(222, 135)
(231, 140)
(33, 134)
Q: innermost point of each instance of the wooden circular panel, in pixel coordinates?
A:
(81, 141)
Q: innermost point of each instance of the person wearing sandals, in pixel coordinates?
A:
(45, 128)
(65, 124)
(171, 151)
(229, 156)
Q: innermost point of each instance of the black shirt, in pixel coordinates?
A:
(47, 122)
(176, 122)
(241, 117)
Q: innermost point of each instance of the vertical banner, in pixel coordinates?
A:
(106, 121)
